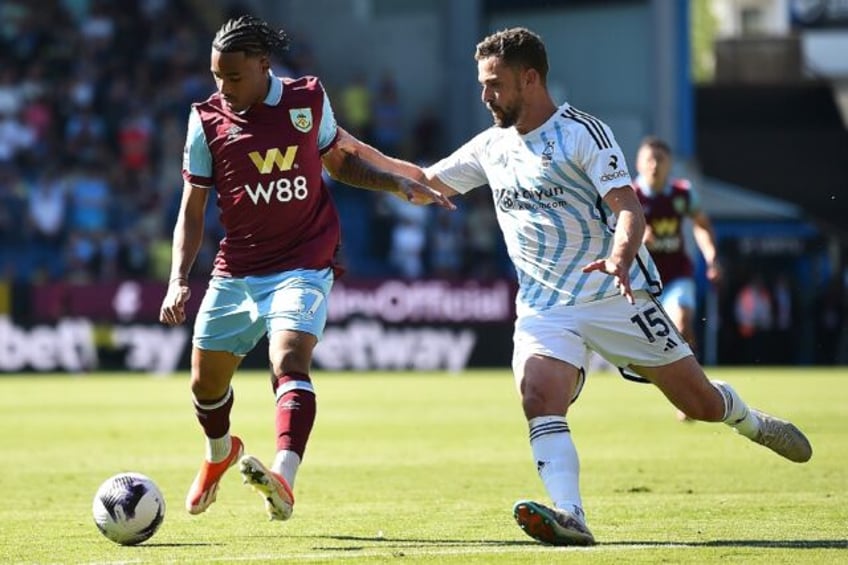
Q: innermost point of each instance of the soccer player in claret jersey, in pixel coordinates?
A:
(262, 141)
(573, 229)
(667, 203)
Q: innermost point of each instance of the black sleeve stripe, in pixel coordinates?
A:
(598, 141)
(596, 121)
(599, 206)
(654, 286)
(590, 127)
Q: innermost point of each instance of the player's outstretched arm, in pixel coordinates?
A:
(354, 162)
(629, 230)
(376, 158)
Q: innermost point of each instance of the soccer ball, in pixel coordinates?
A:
(128, 508)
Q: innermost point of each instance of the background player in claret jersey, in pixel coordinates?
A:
(667, 203)
(262, 141)
(573, 228)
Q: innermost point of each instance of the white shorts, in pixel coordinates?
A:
(622, 333)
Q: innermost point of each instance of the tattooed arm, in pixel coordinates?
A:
(345, 163)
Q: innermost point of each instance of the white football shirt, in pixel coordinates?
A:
(548, 188)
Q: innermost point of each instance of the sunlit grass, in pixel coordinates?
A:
(425, 467)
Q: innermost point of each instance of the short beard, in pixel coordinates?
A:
(506, 119)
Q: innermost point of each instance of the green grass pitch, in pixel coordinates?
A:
(424, 468)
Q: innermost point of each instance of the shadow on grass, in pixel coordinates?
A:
(190, 544)
(410, 542)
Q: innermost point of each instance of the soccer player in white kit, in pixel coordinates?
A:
(573, 228)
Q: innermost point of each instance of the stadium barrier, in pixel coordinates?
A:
(372, 324)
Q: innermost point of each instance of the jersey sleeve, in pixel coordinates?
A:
(462, 170)
(601, 157)
(328, 128)
(197, 159)
(694, 201)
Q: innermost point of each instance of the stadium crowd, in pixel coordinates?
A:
(94, 99)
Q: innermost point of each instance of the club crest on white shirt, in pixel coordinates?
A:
(301, 119)
(548, 154)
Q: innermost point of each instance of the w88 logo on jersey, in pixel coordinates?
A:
(282, 190)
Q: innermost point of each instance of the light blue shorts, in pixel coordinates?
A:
(679, 293)
(236, 312)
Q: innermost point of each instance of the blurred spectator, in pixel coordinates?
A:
(47, 210)
(483, 236)
(81, 257)
(830, 311)
(38, 118)
(446, 244)
(89, 199)
(782, 342)
(134, 139)
(753, 318)
(408, 238)
(168, 149)
(427, 136)
(85, 133)
(355, 107)
(11, 97)
(16, 137)
(12, 206)
(386, 124)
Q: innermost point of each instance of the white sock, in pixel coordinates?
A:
(286, 464)
(556, 461)
(217, 449)
(736, 412)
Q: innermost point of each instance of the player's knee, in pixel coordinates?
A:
(289, 360)
(533, 405)
(291, 352)
(538, 401)
(205, 390)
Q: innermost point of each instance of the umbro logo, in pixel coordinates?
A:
(290, 404)
(233, 132)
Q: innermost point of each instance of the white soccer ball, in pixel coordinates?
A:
(128, 508)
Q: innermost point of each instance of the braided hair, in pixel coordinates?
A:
(251, 35)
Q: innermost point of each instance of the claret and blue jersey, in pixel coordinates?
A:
(265, 165)
(665, 213)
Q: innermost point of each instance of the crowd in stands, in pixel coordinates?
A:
(94, 101)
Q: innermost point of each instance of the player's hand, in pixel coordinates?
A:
(172, 312)
(616, 270)
(714, 273)
(421, 194)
